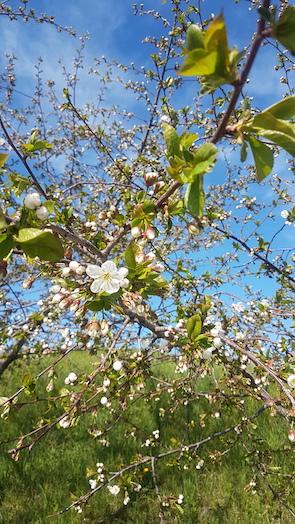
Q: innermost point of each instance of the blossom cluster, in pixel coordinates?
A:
(33, 201)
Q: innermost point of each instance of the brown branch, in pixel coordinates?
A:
(245, 72)
(22, 159)
(256, 254)
(79, 241)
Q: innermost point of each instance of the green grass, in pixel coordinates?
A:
(39, 483)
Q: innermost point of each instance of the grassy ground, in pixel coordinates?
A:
(40, 482)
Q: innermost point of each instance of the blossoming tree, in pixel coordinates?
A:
(120, 237)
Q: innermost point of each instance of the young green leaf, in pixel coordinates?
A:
(284, 109)
(284, 29)
(278, 131)
(194, 197)
(172, 141)
(3, 158)
(244, 151)
(194, 37)
(6, 245)
(263, 157)
(40, 243)
(194, 326)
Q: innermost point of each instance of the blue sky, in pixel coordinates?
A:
(115, 32)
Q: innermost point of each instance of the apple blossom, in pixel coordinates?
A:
(107, 278)
(114, 490)
(207, 353)
(42, 213)
(71, 378)
(150, 233)
(92, 483)
(117, 365)
(136, 232)
(73, 265)
(284, 213)
(32, 201)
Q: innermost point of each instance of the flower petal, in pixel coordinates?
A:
(96, 286)
(93, 271)
(109, 267)
(110, 286)
(123, 272)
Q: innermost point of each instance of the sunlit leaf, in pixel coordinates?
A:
(263, 157)
(194, 199)
(194, 326)
(284, 109)
(3, 158)
(194, 37)
(40, 243)
(284, 29)
(172, 141)
(6, 244)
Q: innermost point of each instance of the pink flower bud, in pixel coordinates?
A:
(150, 233)
(139, 257)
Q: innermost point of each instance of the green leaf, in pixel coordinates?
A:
(6, 245)
(265, 14)
(187, 140)
(130, 256)
(19, 183)
(244, 151)
(36, 146)
(172, 141)
(194, 326)
(148, 206)
(3, 158)
(199, 62)
(49, 204)
(215, 36)
(278, 131)
(194, 197)
(105, 303)
(3, 221)
(284, 29)
(205, 157)
(263, 157)
(212, 60)
(40, 243)
(284, 110)
(194, 37)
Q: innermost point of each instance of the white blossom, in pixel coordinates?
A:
(135, 232)
(32, 201)
(207, 353)
(114, 490)
(284, 213)
(291, 381)
(117, 365)
(42, 213)
(71, 378)
(93, 483)
(107, 278)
